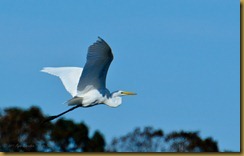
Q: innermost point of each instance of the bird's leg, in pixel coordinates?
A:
(56, 116)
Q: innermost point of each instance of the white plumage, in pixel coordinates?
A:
(88, 85)
(69, 76)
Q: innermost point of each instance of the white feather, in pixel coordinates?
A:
(69, 76)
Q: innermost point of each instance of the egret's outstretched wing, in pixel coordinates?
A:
(69, 76)
(95, 71)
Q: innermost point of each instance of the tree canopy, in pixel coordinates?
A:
(151, 140)
(22, 131)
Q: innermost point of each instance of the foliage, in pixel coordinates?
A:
(22, 131)
(190, 142)
(150, 140)
(147, 140)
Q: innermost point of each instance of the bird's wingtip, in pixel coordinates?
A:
(102, 40)
(44, 69)
(99, 38)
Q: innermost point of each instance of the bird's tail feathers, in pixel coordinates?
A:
(74, 101)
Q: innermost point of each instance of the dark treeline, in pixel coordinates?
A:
(21, 131)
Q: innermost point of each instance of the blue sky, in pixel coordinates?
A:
(181, 57)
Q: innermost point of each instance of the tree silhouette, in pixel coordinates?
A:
(150, 140)
(69, 136)
(96, 143)
(146, 140)
(21, 130)
(190, 142)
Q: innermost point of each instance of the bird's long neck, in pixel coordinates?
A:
(114, 100)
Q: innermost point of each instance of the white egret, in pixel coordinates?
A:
(88, 85)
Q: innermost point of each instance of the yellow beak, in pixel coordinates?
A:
(128, 93)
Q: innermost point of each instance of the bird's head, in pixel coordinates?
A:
(115, 100)
(122, 93)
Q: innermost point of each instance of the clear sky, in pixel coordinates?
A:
(181, 57)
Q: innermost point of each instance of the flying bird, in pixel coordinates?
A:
(87, 85)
